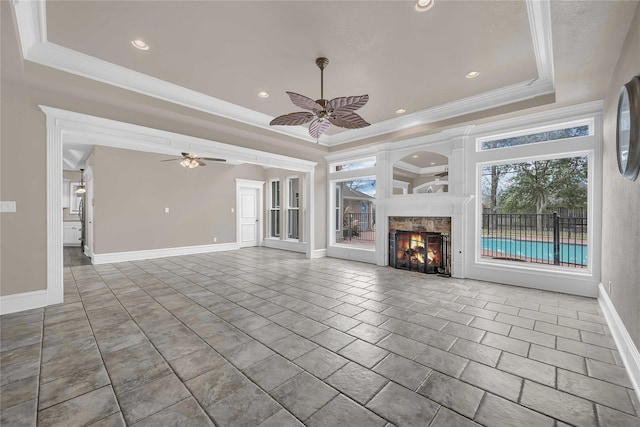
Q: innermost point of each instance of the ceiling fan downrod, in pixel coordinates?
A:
(322, 63)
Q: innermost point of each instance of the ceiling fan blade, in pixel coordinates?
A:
(188, 155)
(171, 160)
(213, 159)
(304, 102)
(348, 103)
(200, 162)
(318, 127)
(293, 119)
(349, 120)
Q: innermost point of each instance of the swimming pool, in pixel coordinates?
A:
(541, 251)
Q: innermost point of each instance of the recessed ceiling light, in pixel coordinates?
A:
(401, 111)
(139, 44)
(415, 156)
(432, 163)
(263, 94)
(472, 74)
(424, 5)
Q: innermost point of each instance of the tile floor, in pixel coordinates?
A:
(261, 337)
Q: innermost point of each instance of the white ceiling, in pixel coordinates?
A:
(215, 56)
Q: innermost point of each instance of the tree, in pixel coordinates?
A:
(534, 185)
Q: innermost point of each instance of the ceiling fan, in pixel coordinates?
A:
(338, 111)
(192, 160)
(445, 173)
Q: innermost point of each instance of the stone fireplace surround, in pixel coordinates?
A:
(433, 224)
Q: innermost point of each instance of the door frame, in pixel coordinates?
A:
(88, 214)
(251, 185)
(71, 127)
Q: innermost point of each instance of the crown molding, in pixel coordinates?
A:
(91, 130)
(32, 29)
(420, 171)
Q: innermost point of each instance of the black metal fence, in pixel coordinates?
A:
(537, 238)
(359, 226)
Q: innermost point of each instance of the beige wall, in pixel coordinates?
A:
(22, 179)
(621, 200)
(25, 85)
(132, 190)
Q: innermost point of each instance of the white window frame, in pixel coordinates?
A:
(540, 276)
(291, 208)
(534, 130)
(273, 209)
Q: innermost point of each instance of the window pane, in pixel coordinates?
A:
(355, 165)
(355, 212)
(275, 223)
(275, 194)
(294, 195)
(551, 135)
(536, 211)
(292, 224)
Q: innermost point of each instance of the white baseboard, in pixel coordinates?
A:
(287, 245)
(353, 254)
(23, 301)
(626, 347)
(161, 253)
(318, 253)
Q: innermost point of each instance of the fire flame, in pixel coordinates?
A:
(414, 251)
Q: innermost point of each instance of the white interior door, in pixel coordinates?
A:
(249, 215)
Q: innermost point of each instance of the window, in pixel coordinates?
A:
(293, 208)
(536, 211)
(532, 136)
(355, 212)
(274, 209)
(354, 164)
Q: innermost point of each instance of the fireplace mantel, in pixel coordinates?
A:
(432, 204)
(424, 205)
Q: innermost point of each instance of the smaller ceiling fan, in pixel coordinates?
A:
(324, 113)
(191, 160)
(445, 173)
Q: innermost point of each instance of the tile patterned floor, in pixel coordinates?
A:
(260, 337)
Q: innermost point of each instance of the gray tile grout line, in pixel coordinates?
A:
(218, 316)
(309, 373)
(101, 358)
(522, 379)
(160, 353)
(93, 335)
(221, 355)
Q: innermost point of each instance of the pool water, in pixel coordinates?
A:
(542, 251)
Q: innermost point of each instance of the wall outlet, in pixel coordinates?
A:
(7, 206)
(215, 239)
(166, 210)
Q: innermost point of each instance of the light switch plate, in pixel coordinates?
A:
(7, 206)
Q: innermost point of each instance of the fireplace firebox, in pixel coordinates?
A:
(422, 251)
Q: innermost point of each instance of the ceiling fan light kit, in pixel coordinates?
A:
(324, 113)
(190, 160)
